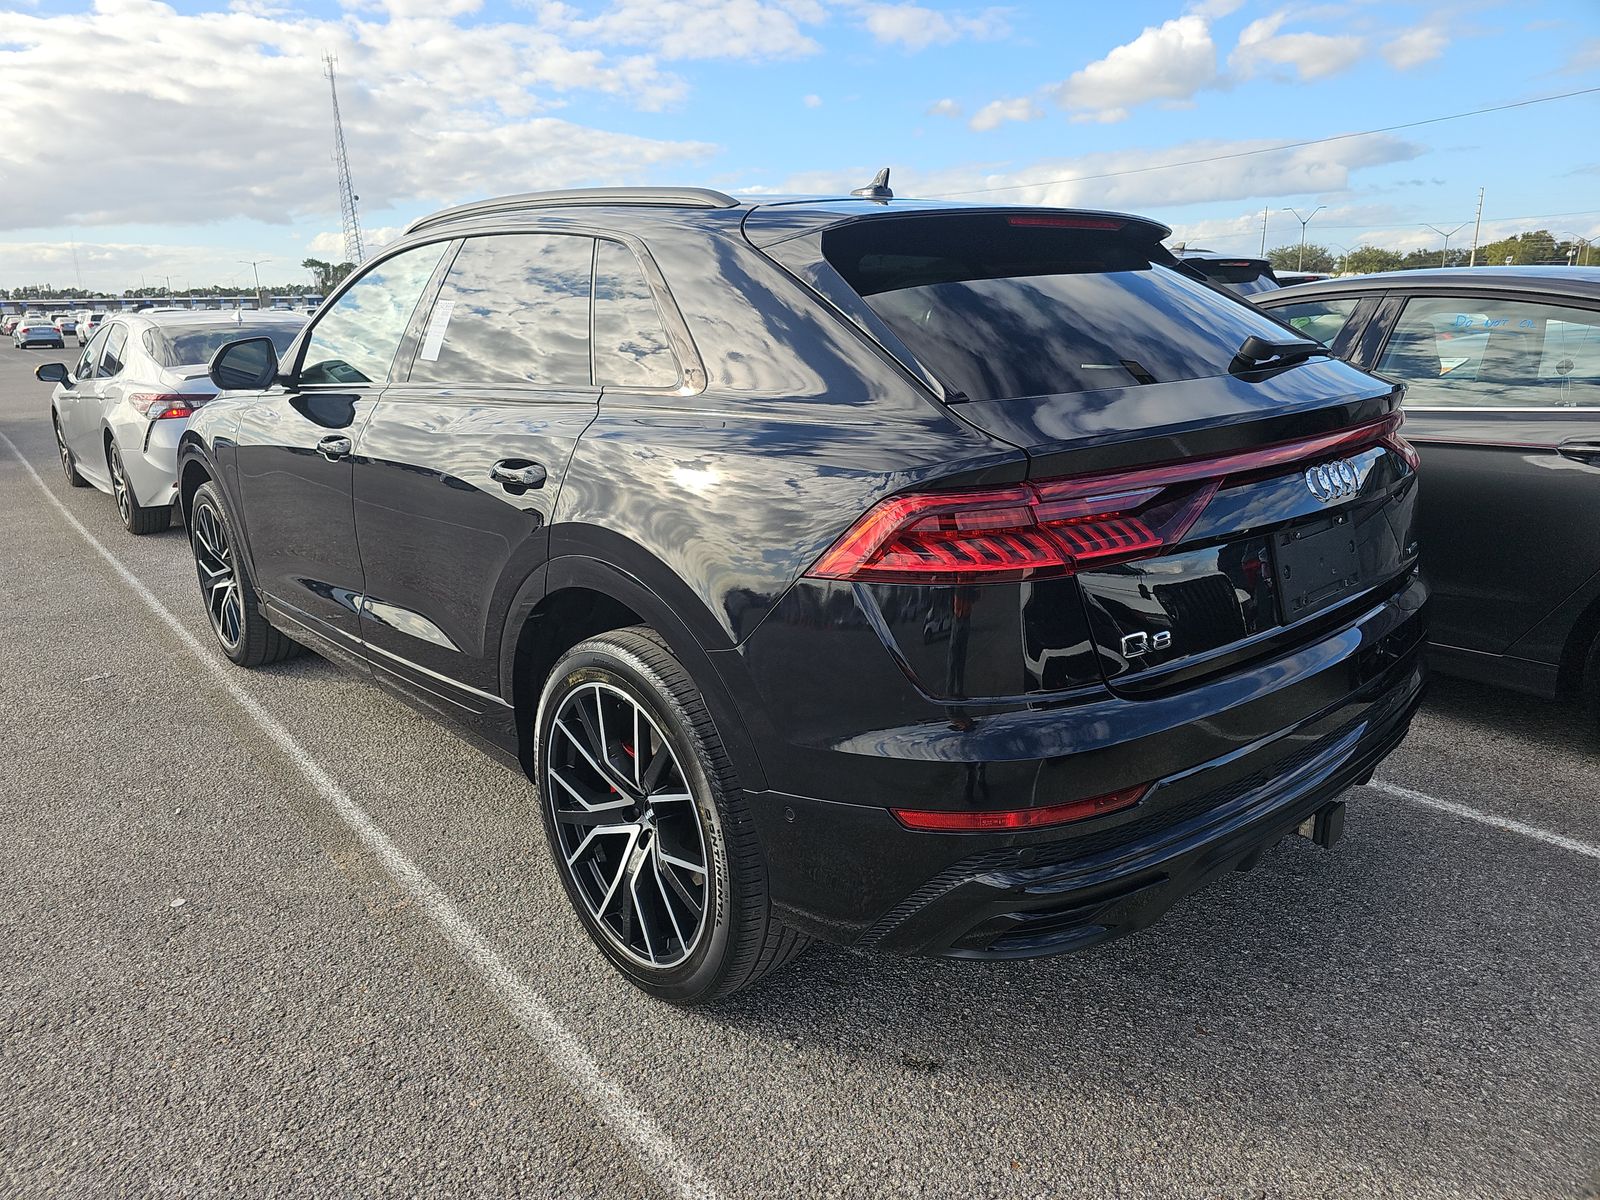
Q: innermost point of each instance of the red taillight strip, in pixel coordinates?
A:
(1060, 526)
(981, 821)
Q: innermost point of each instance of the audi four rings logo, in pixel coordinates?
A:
(1333, 481)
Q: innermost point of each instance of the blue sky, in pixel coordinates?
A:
(202, 136)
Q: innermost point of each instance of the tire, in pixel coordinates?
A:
(69, 465)
(1589, 685)
(242, 630)
(136, 518)
(735, 940)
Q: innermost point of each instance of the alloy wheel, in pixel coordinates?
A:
(219, 579)
(628, 829)
(61, 449)
(119, 487)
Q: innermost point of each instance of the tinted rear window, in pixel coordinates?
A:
(192, 345)
(1001, 311)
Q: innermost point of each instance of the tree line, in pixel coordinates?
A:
(326, 276)
(1522, 249)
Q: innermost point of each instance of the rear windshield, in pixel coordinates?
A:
(193, 345)
(1000, 307)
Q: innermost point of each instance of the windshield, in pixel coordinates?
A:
(193, 345)
(1001, 307)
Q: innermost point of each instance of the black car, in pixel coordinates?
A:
(948, 580)
(1502, 369)
(1242, 276)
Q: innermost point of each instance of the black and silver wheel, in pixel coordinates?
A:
(135, 517)
(69, 467)
(242, 631)
(648, 827)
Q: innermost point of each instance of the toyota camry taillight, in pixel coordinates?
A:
(160, 406)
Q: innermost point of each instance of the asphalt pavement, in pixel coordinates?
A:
(274, 932)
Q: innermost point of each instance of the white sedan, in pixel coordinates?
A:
(119, 412)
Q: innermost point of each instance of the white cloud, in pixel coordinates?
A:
(684, 29)
(235, 122)
(812, 101)
(1309, 55)
(944, 108)
(997, 112)
(1586, 57)
(1125, 182)
(916, 28)
(1169, 62)
(1412, 47)
(329, 244)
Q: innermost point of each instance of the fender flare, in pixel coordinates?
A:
(600, 575)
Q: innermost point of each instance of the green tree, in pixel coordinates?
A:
(1288, 258)
(1364, 260)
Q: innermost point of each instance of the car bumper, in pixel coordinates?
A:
(851, 873)
(150, 457)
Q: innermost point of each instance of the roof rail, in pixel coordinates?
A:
(665, 197)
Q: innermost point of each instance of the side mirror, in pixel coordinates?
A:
(52, 373)
(245, 366)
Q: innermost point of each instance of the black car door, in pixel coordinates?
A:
(292, 459)
(458, 470)
(1503, 404)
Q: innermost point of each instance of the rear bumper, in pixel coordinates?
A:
(1265, 749)
(150, 457)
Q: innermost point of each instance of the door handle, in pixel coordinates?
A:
(1584, 450)
(334, 447)
(517, 473)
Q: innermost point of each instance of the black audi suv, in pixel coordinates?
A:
(948, 580)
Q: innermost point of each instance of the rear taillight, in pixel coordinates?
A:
(1061, 526)
(1047, 221)
(160, 406)
(980, 821)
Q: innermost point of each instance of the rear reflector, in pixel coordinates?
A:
(160, 406)
(974, 821)
(1051, 222)
(1061, 526)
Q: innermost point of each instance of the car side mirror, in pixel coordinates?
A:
(53, 373)
(245, 366)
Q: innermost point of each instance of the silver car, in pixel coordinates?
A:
(35, 329)
(120, 410)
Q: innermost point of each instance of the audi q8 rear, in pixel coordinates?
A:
(949, 580)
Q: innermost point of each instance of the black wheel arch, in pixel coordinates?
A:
(575, 597)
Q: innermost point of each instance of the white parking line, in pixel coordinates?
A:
(631, 1124)
(1493, 820)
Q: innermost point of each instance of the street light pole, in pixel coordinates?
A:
(1444, 257)
(1304, 221)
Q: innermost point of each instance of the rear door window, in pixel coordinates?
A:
(1320, 319)
(112, 358)
(1487, 352)
(1001, 306)
(630, 340)
(514, 309)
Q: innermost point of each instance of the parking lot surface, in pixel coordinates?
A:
(274, 931)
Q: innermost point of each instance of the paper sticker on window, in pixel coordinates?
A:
(433, 338)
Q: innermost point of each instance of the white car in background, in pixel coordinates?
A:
(119, 412)
(64, 324)
(87, 323)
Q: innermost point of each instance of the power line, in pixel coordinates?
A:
(1583, 212)
(1338, 137)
